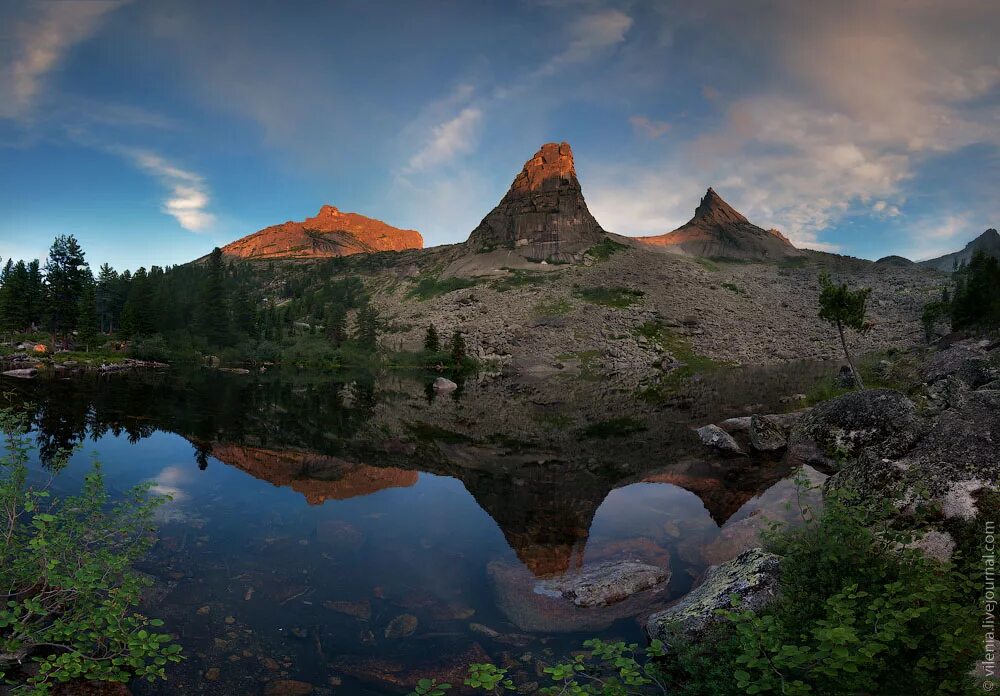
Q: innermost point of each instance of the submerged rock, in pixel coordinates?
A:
(402, 626)
(753, 576)
(606, 583)
(21, 373)
(714, 436)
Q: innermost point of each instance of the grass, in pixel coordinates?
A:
(707, 264)
(605, 249)
(432, 433)
(618, 297)
(520, 279)
(428, 287)
(614, 427)
(902, 375)
(693, 363)
(552, 308)
(732, 287)
(588, 363)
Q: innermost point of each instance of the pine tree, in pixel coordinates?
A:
(458, 350)
(65, 276)
(844, 308)
(213, 312)
(86, 321)
(367, 327)
(432, 344)
(106, 297)
(14, 299)
(336, 325)
(137, 314)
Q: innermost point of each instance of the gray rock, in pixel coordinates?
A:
(879, 422)
(442, 384)
(753, 576)
(605, 583)
(845, 378)
(22, 373)
(714, 436)
(960, 359)
(766, 435)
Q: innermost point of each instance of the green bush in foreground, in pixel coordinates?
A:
(67, 586)
(860, 614)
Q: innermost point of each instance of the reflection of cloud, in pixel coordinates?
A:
(35, 46)
(170, 482)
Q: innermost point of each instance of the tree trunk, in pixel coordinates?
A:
(854, 370)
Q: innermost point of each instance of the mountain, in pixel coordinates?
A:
(988, 242)
(543, 217)
(718, 230)
(331, 233)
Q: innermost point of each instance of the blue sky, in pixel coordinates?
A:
(154, 131)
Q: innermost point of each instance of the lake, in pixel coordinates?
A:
(357, 532)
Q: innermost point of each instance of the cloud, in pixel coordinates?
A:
(36, 45)
(188, 195)
(454, 137)
(649, 128)
(590, 35)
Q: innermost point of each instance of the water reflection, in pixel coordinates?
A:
(309, 514)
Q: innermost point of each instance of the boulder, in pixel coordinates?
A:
(714, 436)
(441, 384)
(846, 378)
(605, 583)
(766, 435)
(753, 576)
(880, 422)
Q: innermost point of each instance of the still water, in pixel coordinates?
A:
(358, 533)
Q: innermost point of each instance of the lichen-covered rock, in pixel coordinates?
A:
(606, 583)
(443, 384)
(753, 576)
(766, 435)
(879, 422)
(714, 436)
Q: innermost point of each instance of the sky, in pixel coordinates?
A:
(154, 131)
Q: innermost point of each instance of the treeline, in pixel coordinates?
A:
(973, 303)
(213, 306)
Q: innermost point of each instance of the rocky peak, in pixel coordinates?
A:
(713, 209)
(543, 216)
(551, 168)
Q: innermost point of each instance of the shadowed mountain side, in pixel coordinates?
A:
(331, 233)
(717, 230)
(988, 243)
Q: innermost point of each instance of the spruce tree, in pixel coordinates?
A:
(367, 327)
(213, 311)
(432, 344)
(86, 321)
(14, 304)
(65, 276)
(458, 350)
(106, 298)
(336, 325)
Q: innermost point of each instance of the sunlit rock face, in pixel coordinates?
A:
(317, 477)
(719, 230)
(329, 234)
(543, 216)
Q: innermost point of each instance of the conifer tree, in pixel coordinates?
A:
(458, 350)
(844, 308)
(432, 344)
(336, 325)
(65, 276)
(213, 312)
(367, 327)
(86, 321)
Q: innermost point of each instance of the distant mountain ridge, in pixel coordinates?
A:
(331, 233)
(988, 242)
(718, 230)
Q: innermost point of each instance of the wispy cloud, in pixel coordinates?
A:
(590, 36)
(187, 197)
(648, 127)
(455, 136)
(35, 46)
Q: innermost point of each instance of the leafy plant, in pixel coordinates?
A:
(618, 297)
(67, 586)
(605, 249)
(844, 308)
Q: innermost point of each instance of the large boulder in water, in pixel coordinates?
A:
(880, 422)
(766, 435)
(717, 438)
(752, 576)
(606, 583)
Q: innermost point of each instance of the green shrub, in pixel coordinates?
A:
(618, 297)
(614, 427)
(67, 580)
(151, 348)
(432, 286)
(605, 249)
